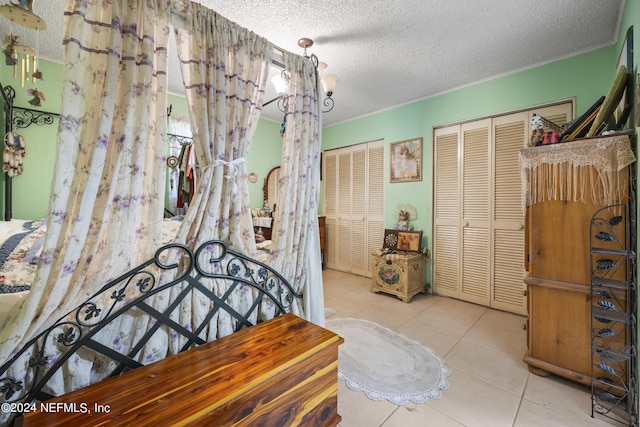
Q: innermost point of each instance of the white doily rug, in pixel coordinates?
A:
(386, 365)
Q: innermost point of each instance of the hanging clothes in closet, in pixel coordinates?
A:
(187, 179)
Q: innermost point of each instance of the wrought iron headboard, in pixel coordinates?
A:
(175, 269)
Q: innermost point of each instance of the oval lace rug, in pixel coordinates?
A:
(386, 365)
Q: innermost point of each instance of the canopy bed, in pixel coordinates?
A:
(106, 205)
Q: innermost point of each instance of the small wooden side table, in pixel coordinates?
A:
(400, 274)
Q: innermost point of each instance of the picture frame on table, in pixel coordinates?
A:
(401, 240)
(406, 160)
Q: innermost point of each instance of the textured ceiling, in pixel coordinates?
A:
(391, 52)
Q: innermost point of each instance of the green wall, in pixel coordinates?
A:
(265, 153)
(31, 189)
(584, 77)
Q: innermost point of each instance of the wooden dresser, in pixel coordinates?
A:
(566, 184)
(323, 236)
(400, 274)
(282, 372)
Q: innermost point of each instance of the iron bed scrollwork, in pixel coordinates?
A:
(174, 270)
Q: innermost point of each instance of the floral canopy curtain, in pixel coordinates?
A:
(107, 193)
(225, 69)
(296, 243)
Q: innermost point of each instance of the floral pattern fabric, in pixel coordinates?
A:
(107, 197)
(225, 69)
(296, 242)
(106, 201)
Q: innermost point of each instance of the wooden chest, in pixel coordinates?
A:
(400, 274)
(283, 372)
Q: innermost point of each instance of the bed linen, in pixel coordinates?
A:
(20, 246)
(21, 243)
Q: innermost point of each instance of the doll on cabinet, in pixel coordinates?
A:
(405, 213)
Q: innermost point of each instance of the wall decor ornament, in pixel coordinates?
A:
(14, 152)
(406, 160)
(17, 53)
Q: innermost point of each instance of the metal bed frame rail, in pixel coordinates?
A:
(212, 276)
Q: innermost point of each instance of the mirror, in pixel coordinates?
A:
(270, 188)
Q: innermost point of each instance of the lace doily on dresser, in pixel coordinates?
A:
(580, 171)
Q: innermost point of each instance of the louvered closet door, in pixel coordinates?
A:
(353, 204)
(510, 134)
(330, 205)
(358, 217)
(375, 200)
(475, 213)
(343, 250)
(445, 259)
(478, 236)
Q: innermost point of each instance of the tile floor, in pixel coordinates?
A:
(489, 385)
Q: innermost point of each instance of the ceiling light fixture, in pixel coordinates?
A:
(329, 81)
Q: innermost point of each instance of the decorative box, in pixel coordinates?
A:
(399, 274)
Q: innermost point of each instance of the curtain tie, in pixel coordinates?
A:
(233, 165)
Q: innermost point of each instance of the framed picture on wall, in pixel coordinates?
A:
(406, 160)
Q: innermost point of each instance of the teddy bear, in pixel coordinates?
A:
(537, 130)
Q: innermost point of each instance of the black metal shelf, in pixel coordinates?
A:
(613, 308)
(602, 282)
(606, 251)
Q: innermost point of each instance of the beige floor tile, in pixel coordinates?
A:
(444, 322)
(440, 343)
(561, 396)
(490, 385)
(490, 365)
(459, 308)
(412, 415)
(533, 415)
(357, 410)
(474, 402)
(388, 312)
(381, 317)
(506, 335)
